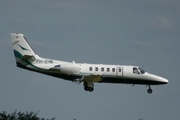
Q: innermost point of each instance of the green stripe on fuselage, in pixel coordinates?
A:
(23, 48)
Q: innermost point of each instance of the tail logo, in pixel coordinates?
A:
(23, 48)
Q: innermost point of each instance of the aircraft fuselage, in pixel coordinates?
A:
(81, 72)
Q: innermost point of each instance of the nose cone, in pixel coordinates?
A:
(158, 79)
(164, 80)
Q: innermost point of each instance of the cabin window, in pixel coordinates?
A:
(96, 68)
(135, 70)
(90, 68)
(108, 69)
(113, 69)
(102, 69)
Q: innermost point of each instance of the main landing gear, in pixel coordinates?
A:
(88, 86)
(149, 90)
(90, 89)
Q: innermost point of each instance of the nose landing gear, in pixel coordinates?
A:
(149, 90)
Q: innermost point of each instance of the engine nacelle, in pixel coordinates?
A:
(70, 68)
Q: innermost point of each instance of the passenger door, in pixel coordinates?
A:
(119, 71)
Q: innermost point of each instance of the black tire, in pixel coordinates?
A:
(91, 89)
(149, 91)
(86, 88)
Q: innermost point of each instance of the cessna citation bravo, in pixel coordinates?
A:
(81, 72)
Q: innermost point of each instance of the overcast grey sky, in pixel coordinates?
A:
(126, 32)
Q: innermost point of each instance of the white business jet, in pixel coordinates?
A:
(81, 72)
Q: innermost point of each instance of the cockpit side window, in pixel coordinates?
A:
(141, 70)
(135, 70)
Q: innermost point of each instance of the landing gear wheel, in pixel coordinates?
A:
(149, 90)
(86, 88)
(91, 89)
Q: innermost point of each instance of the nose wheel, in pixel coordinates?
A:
(149, 90)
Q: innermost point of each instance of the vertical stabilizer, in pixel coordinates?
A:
(21, 45)
(22, 50)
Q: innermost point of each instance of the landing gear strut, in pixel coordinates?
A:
(149, 90)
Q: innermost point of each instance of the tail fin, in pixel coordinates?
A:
(22, 50)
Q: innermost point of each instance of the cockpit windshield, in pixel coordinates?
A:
(138, 70)
(141, 70)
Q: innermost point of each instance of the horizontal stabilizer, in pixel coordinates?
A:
(29, 58)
